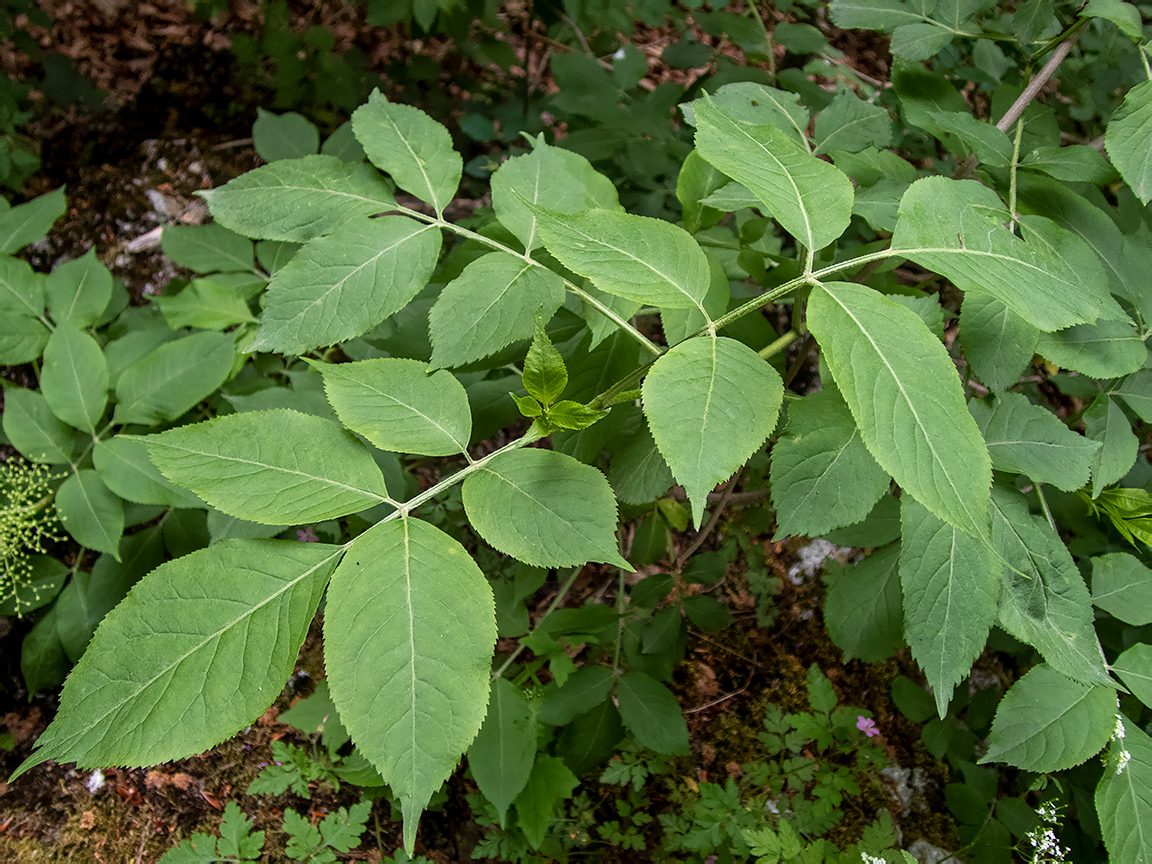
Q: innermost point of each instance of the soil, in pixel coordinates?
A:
(171, 126)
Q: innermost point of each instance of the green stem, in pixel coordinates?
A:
(779, 345)
(624, 325)
(564, 589)
(1015, 166)
(619, 622)
(1044, 507)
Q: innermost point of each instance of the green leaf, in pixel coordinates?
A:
(600, 325)
(409, 629)
(991, 146)
(25, 223)
(1124, 798)
(559, 179)
(544, 508)
(90, 512)
(1044, 600)
(919, 41)
(78, 291)
(704, 391)
(997, 342)
(810, 198)
(278, 467)
(950, 583)
(906, 397)
(651, 713)
(344, 284)
(169, 380)
(22, 301)
(1122, 586)
(398, 406)
(1025, 439)
(74, 379)
(197, 650)
(1123, 15)
(753, 104)
(545, 375)
(862, 608)
(123, 464)
(1136, 391)
(491, 304)
(34, 430)
(695, 182)
(549, 783)
(851, 124)
(1072, 163)
(822, 476)
(1134, 667)
(573, 416)
(585, 688)
(1104, 421)
(36, 588)
(956, 227)
(1108, 349)
(643, 259)
(206, 248)
(410, 146)
(343, 144)
(284, 136)
(298, 199)
(501, 757)
(637, 472)
(221, 526)
(1047, 722)
(874, 14)
(205, 303)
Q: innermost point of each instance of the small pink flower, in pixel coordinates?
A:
(868, 727)
(307, 535)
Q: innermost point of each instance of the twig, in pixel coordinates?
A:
(551, 608)
(717, 511)
(801, 359)
(697, 635)
(723, 698)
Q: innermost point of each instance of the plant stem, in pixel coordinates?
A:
(717, 512)
(1014, 171)
(779, 345)
(551, 608)
(1044, 506)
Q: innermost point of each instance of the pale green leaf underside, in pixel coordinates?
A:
(544, 508)
(342, 285)
(711, 402)
(196, 651)
(1044, 600)
(1025, 439)
(1050, 279)
(822, 476)
(172, 378)
(905, 394)
(643, 259)
(298, 199)
(277, 467)
(398, 406)
(409, 629)
(491, 304)
(950, 583)
(410, 146)
(811, 198)
(1047, 722)
(1124, 799)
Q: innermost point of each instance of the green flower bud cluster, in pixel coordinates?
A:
(27, 523)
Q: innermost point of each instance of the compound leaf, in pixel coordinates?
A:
(822, 476)
(409, 629)
(278, 467)
(171, 379)
(1047, 722)
(711, 402)
(811, 198)
(398, 406)
(412, 147)
(344, 284)
(544, 508)
(298, 199)
(851, 124)
(950, 582)
(195, 652)
(903, 391)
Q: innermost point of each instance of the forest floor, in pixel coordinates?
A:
(173, 123)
